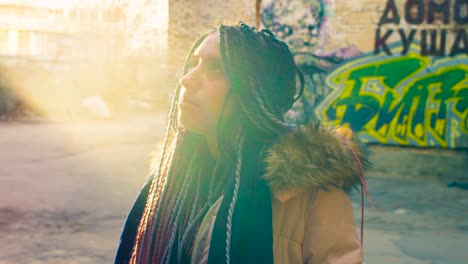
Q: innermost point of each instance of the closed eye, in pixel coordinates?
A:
(211, 67)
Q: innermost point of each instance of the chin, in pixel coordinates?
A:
(190, 123)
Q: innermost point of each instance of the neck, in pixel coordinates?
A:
(212, 141)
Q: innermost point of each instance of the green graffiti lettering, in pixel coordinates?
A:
(361, 107)
(443, 82)
(461, 105)
(406, 100)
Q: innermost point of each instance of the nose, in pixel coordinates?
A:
(188, 80)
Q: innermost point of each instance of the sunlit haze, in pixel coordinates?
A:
(69, 60)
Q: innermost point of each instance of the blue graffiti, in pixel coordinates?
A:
(299, 23)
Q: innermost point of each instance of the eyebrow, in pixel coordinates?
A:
(208, 59)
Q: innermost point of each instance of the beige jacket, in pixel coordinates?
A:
(309, 173)
(315, 227)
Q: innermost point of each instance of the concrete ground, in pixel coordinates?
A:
(65, 190)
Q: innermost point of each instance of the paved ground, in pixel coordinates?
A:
(65, 190)
(415, 221)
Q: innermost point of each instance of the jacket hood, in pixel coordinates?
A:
(314, 156)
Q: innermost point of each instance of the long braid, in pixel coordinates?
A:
(176, 205)
(255, 114)
(212, 189)
(236, 43)
(177, 215)
(157, 183)
(270, 121)
(156, 210)
(185, 199)
(228, 43)
(234, 199)
(191, 219)
(162, 212)
(197, 212)
(188, 219)
(158, 179)
(188, 231)
(160, 209)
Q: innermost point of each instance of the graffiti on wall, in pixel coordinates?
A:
(301, 23)
(404, 100)
(439, 26)
(413, 92)
(297, 22)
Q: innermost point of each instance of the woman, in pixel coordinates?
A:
(235, 183)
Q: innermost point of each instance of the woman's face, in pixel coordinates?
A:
(204, 88)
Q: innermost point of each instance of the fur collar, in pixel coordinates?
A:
(315, 156)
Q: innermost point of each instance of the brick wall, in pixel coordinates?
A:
(347, 28)
(190, 18)
(413, 56)
(354, 22)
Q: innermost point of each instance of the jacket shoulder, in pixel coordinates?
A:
(315, 157)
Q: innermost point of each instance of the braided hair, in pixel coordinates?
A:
(188, 180)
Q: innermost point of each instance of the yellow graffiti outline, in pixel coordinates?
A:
(335, 80)
(391, 132)
(342, 74)
(430, 112)
(458, 86)
(339, 79)
(371, 125)
(455, 133)
(411, 114)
